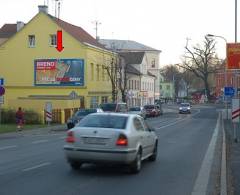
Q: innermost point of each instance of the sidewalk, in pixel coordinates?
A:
(233, 159)
(48, 129)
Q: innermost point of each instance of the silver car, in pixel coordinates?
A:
(111, 138)
(138, 110)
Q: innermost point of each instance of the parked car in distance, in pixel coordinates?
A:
(152, 110)
(112, 138)
(184, 108)
(138, 110)
(79, 115)
(114, 107)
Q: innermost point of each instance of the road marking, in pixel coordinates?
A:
(201, 183)
(177, 121)
(8, 147)
(36, 167)
(39, 141)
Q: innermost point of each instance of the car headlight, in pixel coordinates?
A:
(180, 108)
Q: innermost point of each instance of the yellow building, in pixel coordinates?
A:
(35, 72)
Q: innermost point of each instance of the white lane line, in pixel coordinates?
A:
(39, 141)
(36, 167)
(201, 183)
(8, 147)
(177, 121)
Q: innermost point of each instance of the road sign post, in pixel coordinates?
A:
(48, 112)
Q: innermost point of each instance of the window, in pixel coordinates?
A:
(129, 84)
(135, 84)
(94, 102)
(104, 121)
(31, 40)
(103, 73)
(153, 63)
(160, 86)
(53, 40)
(92, 71)
(138, 125)
(104, 99)
(98, 72)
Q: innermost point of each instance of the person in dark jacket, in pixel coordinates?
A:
(19, 119)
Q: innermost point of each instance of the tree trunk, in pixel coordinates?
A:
(206, 84)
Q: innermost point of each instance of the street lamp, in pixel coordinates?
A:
(225, 75)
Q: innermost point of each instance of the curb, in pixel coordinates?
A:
(223, 182)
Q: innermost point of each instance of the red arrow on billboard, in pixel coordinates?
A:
(59, 41)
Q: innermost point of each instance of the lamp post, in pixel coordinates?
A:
(225, 72)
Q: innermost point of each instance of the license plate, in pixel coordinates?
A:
(95, 140)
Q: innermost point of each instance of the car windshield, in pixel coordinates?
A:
(135, 109)
(85, 112)
(104, 121)
(149, 107)
(108, 107)
(185, 104)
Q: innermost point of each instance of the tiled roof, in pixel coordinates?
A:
(150, 74)
(120, 45)
(77, 32)
(8, 30)
(132, 57)
(130, 69)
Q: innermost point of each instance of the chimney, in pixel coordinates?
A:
(43, 8)
(20, 25)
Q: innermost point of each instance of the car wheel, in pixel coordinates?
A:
(75, 165)
(137, 163)
(153, 157)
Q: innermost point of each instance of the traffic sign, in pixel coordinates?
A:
(229, 91)
(73, 95)
(1, 81)
(2, 90)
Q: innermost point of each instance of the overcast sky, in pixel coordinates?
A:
(161, 24)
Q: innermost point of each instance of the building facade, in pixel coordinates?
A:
(36, 73)
(152, 57)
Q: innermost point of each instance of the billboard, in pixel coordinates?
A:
(233, 56)
(59, 72)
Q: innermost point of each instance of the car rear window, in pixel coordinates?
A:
(134, 109)
(108, 107)
(149, 107)
(104, 121)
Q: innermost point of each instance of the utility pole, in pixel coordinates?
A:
(96, 24)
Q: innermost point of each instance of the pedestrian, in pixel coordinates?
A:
(19, 119)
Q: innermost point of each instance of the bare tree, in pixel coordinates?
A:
(201, 61)
(122, 81)
(112, 72)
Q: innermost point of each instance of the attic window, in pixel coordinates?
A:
(31, 40)
(53, 40)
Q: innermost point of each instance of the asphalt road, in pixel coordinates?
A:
(34, 164)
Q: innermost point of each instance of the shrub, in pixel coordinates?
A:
(30, 116)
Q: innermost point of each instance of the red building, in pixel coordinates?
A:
(228, 79)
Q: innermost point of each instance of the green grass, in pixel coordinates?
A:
(6, 128)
